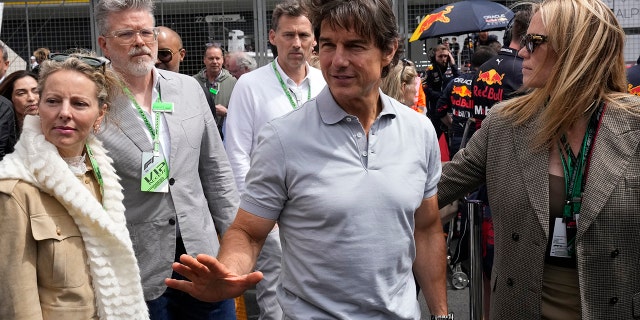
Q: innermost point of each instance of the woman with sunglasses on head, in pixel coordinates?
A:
(400, 83)
(66, 249)
(21, 88)
(562, 168)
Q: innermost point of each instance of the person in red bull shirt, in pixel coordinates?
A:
(561, 164)
(507, 65)
(455, 106)
(443, 68)
(633, 77)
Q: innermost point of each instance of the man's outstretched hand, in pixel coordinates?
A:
(210, 280)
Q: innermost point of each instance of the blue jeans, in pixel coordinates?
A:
(177, 305)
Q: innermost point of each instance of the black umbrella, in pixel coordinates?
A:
(463, 17)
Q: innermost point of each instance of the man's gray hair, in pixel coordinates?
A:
(5, 53)
(244, 60)
(106, 7)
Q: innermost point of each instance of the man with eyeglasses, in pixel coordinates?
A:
(216, 82)
(179, 192)
(170, 50)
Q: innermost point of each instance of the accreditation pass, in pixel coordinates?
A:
(155, 173)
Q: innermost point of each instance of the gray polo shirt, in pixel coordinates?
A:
(345, 206)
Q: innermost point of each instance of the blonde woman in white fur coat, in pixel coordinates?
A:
(65, 247)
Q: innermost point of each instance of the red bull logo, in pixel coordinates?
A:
(491, 77)
(634, 90)
(429, 20)
(461, 91)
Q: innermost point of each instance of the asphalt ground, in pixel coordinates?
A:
(457, 299)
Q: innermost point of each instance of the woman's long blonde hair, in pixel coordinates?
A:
(393, 84)
(589, 45)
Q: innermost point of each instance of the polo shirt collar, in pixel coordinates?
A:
(332, 113)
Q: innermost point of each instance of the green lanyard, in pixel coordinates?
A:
(96, 169)
(155, 134)
(285, 89)
(575, 168)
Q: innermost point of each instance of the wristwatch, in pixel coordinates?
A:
(441, 317)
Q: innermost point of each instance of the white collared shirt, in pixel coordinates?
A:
(258, 98)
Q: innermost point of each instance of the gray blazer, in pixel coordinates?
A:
(608, 236)
(201, 185)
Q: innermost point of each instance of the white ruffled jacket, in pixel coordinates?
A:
(112, 263)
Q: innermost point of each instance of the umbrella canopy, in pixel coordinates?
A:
(463, 17)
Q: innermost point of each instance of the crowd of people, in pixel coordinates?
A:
(131, 191)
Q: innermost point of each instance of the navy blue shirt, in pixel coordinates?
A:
(497, 79)
(457, 99)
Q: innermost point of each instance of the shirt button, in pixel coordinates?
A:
(615, 253)
(359, 134)
(348, 119)
(58, 231)
(86, 181)
(364, 153)
(613, 300)
(172, 181)
(172, 221)
(515, 236)
(510, 282)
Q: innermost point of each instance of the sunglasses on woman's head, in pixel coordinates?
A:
(94, 62)
(405, 63)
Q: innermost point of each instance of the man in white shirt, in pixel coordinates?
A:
(260, 96)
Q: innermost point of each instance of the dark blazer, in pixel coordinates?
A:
(201, 185)
(8, 135)
(608, 236)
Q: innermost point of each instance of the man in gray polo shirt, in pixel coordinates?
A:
(351, 179)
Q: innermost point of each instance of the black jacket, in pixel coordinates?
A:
(8, 135)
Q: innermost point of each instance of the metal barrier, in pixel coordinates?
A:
(474, 210)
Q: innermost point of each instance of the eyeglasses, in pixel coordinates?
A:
(128, 36)
(405, 62)
(165, 55)
(94, 62)
(531, 41)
